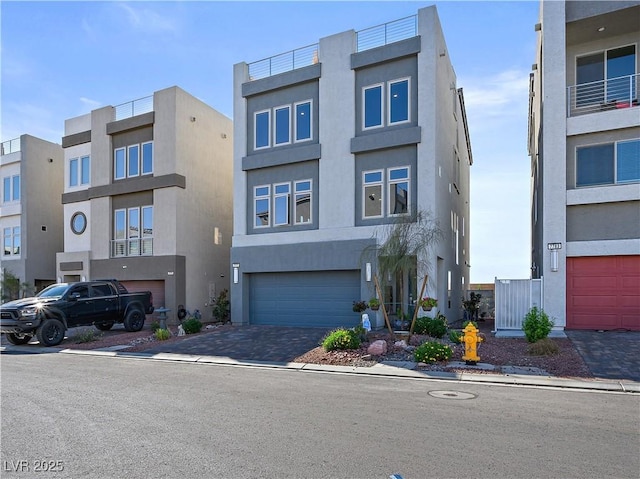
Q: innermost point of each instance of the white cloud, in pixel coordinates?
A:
(147, 20)
(89, 103)
(497, 95)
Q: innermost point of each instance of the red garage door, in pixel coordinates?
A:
(156, 288)
(603, 292)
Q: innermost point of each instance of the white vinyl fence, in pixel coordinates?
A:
(514, 298)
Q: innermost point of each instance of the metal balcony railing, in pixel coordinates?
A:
(284, 62)
(604, 95)
(387, 33)
(132, 247)
(10, 146)
(133, 108)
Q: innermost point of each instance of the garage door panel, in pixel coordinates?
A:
(156, 288)
(603, 292)
(310, 299)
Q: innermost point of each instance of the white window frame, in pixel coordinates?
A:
(267, 197)
(615, 163)
(81, 170)
(275, 125)
(72, 162)
(142, 145)
(295, 121)
(388, 102)
(391, 182)
(364, 106)
(297, 192)
(364, 193)
(12, 233)
(115, 163)
(287, 196)
(130, 162)
(255, 129)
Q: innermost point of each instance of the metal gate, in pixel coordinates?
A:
(514, 299)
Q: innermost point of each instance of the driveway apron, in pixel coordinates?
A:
(609, 354)
(250, 343)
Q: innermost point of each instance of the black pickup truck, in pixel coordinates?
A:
(66, 305)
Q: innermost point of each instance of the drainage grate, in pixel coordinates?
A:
(451, 395)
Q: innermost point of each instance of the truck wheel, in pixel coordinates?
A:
(104, 326)
(50, 332)
(134, 320)
(18, 338)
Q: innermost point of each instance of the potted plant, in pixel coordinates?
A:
(359, 306)
(428, 303)
(374, 304)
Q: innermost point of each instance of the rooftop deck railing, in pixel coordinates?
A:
(284, 62)
(386, 33)
(10, 146)
(604, 95)
(133, 108)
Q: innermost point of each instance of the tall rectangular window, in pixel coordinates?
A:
(372, 194)
(303, 121)
(85, 170)
(6, 189)
(606, 76)
(6, 241)
(133, 160)
(147, 230)
(282, 131)
(147, 158)
(119, 163)
(133, 234)
(73, 172)
(281, 204)
(398, 191)
(16, 240)
(262, 195)
(628, 161)
(15, 184)
(262, 126)
(302, 208)
(372, 105)
(399, 101)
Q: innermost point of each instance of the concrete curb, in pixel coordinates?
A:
(403, 371)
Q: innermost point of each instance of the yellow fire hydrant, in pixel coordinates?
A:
(471, 341)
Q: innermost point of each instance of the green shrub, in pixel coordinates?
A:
(221, 307)
(162, 334)
(191, 326)
(434, 327)
(454, 336)
(544, 347)
(341, 339)
(155, 325)
(87, 336)
(432, 351)
(536, 325)
(360, 332)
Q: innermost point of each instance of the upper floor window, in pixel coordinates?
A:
(608, 163)
(132, 232)
(397, 192)
(276, 198)
(79, 171)
(281, 129)
(134, 160)
(11, 188)
(11, 239)
(396, 105)
(606, 76)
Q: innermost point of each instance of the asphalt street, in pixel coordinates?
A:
(105, 417)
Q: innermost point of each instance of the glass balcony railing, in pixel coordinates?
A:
(604, 95)
(11, 146)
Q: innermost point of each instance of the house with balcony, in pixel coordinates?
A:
(584, 144)
(335, 143)
(147, 198)
(31, 214)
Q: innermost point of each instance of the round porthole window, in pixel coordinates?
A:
(78, 223)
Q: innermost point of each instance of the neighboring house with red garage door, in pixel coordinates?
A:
(147, 198)
(584, 143)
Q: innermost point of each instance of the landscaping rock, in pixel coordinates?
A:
(400, 344)
(377, 348)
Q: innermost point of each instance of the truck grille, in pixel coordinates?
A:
(7, 315)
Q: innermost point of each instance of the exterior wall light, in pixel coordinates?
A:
(236, 269)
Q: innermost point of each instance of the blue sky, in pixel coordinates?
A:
(64, 59)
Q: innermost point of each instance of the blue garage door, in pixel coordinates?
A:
(310, 299)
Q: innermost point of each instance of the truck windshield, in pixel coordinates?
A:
(55, 290)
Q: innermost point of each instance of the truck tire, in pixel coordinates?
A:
(134, 321)
(18, 338)
(50, 332)
(104, 326)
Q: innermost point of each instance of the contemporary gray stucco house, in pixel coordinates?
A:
(334, 142)
(31, 223)
(584, 143)
(147, 198)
